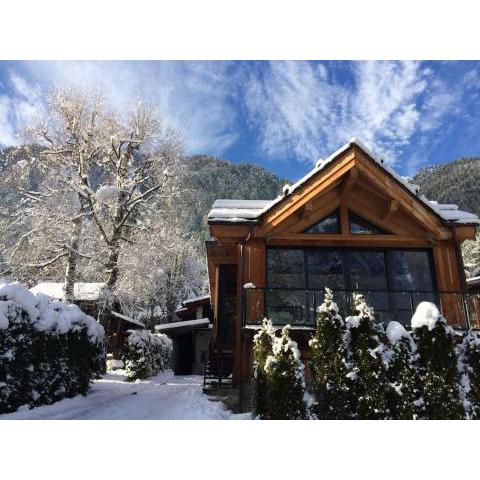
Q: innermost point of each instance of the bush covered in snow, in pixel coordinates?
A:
(279, 384)
(285, 380)
(438, 359)
(147, 354)
(404, 392)
(368, 368)
(49, 350)
(470, 374)
(262, 349)
(332, 386)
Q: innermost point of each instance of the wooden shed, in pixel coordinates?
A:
(190, 335)
(351, 224)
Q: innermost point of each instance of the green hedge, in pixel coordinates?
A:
(49, 350)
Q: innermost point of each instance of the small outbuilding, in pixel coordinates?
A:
(190, 335)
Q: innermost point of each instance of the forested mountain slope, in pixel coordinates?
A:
(205, 179)
(455, 182)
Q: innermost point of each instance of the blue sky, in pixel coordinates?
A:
(281, 115)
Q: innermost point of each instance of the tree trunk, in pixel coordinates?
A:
(115, 242)
(112, 264)
(72, 256)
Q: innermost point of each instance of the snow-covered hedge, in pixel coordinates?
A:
(49, 350)
(358, 370)
(147, 354)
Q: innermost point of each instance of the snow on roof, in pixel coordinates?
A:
(451, 213)
(186, 323)
(238, 211)
(81, 291)
(128, 319)
(196, 299)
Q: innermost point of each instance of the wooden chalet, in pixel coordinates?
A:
(351, 224)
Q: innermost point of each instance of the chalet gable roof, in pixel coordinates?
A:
(251, 211)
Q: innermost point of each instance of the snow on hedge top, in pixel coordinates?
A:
(238, 211)
(44, 313)
(81, 290)
(396, 331)
(426, 315)
(143, 338)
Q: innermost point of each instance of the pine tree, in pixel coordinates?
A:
(368, 368)
(438, 361)
(328, 364)
(285, 381)
(470, 374)
(262, 349)
(404, 391)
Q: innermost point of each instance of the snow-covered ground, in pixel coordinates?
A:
(112, 398)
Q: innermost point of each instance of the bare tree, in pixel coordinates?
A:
(112, 163)
(161, 268)
(73, 138)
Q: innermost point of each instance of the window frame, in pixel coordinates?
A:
(335, 213)
(359, 220)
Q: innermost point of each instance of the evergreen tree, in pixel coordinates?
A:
(368, 368)
(404, 390)
(262, 349)
(285, 381)
(328, 364)
(438, 361)
(470, 379)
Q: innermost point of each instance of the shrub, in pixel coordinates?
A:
(368, 368)
(49, 350)
(438, 363)
(262, 349)
(329, 366)
(470, 374)
(404, 394)
(147, 354)
(285, 381)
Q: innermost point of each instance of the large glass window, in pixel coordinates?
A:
(392, 280)
(286, 268)
(325, 269)
(411, 270)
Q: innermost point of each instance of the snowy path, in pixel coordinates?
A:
(112, 398)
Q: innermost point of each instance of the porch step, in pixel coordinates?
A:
(218, 368)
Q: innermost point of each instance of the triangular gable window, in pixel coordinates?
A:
(360, 226)
(330, 224)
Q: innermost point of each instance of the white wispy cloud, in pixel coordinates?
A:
(302, 109)
(193, 97)
(293, 111)
(18, 108)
